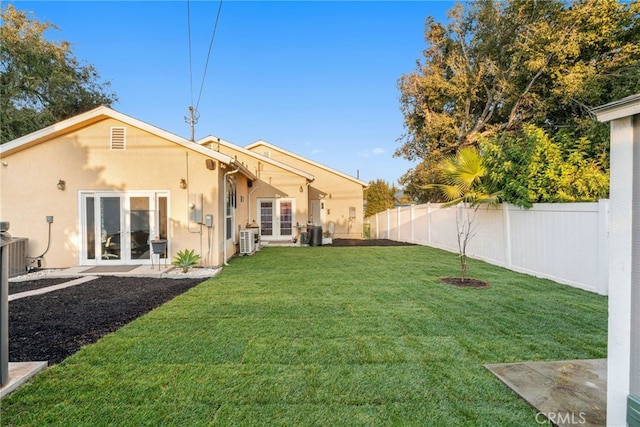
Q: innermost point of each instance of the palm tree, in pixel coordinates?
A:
(463, 180)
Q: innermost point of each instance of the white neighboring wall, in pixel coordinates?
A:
(623, 365)
(564, 242)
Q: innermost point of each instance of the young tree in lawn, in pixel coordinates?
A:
(41, 82)
(463, 182)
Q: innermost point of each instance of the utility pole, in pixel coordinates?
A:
(192, 120)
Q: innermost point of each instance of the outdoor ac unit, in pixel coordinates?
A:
(247, 242)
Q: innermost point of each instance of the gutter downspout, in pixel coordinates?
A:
(249, 202)
(224, 231)
(308, 201)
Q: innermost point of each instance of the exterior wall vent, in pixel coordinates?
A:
(267, 154)
(118, 138)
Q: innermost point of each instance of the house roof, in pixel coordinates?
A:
(304, 159)
(624, 107)
(103, 113)
(214, 140)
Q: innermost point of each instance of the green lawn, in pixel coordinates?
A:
(323, 336)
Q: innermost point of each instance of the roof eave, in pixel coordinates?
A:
(81, 120)
(304, 159)
(243, 170)
(96, 115)
(618, 109)
(214, 140)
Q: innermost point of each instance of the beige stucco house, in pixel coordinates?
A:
(97, 188)
(334, 197)
(291, 192)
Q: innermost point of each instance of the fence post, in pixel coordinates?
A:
(603, 246)
(388, 223)
(412, 219)
(506, 220)
(429, 223)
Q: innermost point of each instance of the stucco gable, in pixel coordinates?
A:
(94, 116)
(213, 142)
(254, 146)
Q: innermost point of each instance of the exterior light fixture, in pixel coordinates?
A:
(301, 189)
(61, 185)
(183, 184)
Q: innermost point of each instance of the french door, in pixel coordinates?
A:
(277, 218)
(117, 226)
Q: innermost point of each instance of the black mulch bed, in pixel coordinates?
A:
(368, 242)
(464, 282)
(55, 325)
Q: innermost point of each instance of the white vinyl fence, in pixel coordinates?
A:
(564, 242)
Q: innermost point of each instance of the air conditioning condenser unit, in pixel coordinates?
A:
(247, 242)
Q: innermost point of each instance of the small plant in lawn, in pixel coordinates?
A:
(186, 259)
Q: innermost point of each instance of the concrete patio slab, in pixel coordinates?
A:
(40, 291)
(20, 373)
(157, 271)
(568, 393)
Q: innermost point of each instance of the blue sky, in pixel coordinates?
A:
(316, 78)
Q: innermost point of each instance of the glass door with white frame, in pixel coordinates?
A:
(139, 227)
(109, 222)
(277, 218)
(118, 226)
(285, 217)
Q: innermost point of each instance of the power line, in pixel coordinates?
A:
(190, 55)
(194, 115)
(206, 65)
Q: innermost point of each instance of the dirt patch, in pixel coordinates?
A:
(55, 325)
(464, 283)
(368, 242)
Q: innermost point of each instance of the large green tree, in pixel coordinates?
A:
(415, 183)
(497, 66)
(379, 197)
(41, 82)
(531, 167)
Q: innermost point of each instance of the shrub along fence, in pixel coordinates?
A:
(565, 242)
